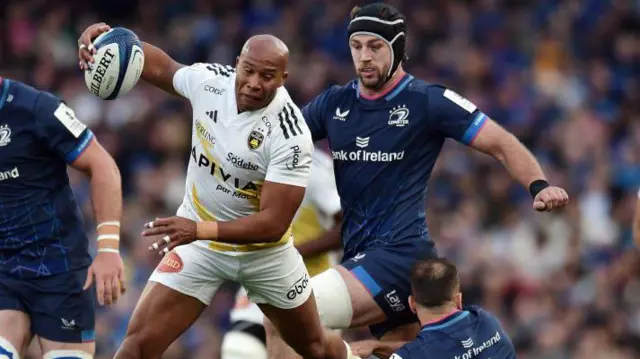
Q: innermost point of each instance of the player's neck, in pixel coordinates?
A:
(371, 94)
(433, 315)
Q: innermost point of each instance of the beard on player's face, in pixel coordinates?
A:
(376, 78)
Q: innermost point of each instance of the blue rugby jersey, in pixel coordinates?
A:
(41, 229)
(384, 151)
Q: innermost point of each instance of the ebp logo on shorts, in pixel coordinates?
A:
(171, 263)
(298, 287)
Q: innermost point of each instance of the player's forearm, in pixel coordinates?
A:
(385, 349)
(328, 241)
(159, 68)
(519, 161)
(106, 198)
(263, 227)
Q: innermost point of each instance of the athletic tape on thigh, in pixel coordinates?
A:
(333, 299)
(7, 349)
(67, 354)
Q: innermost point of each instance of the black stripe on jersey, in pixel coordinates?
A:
(282, 126)
(295, 118)
(211, 68)
(225, 70)
(287, 118)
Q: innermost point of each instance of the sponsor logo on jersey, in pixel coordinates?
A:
(460, 101)
(204, 134)
(362, 142)
(171, 263)
(68, 324)
(395, 356)
(295, 159)
(255, 140)
(68, 118)
(14, 173)
(398, 116)
(241, 163)
(245, 188)
(394, 301)
(267, 123)
(5, 135)
(298, 287)
(341, 116)
(214, 90)
(475, 351)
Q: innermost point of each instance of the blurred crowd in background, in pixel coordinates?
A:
(564, 76)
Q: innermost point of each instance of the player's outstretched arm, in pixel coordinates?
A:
(494, 140)
(159, 68)
(106, 196)
(381, 349)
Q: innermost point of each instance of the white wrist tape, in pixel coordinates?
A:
(108, 250)
(109, 236)
(109, 223)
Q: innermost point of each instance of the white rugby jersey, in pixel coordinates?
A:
(233, 154)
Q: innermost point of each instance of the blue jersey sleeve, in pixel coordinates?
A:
(59, 129)
(454, 116)
(314, 114)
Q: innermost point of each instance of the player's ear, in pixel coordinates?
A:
(237, 60)
(412, 304)
(458, 300)
(284, 77)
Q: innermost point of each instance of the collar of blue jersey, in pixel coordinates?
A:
(446, 322)
(401, 85)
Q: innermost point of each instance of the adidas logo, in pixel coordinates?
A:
(213, 115)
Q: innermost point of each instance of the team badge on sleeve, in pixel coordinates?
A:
(255, 140)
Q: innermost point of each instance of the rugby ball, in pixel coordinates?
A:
(119, 61)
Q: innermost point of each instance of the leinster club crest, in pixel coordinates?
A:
(255, 140)
(5, 135)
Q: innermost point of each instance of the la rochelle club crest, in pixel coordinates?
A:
(255, 140)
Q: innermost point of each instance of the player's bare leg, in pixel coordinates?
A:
(51, 349)
(15, 333)
(365, 312)
(301, 329)
(161, 315)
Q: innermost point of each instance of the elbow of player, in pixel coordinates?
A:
(276, 231)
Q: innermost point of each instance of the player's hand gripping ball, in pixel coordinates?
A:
(175, 231)
(550, 198)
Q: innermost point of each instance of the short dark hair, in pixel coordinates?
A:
(434, 282)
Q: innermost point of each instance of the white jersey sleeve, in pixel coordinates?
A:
(291, 150)
(187, 79)
(322, 189)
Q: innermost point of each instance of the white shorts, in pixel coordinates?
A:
(275, 276)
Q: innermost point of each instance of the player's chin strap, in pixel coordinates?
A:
(67, 354)
(391, 32)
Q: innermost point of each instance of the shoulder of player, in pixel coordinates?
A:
(288, 123)
(213, 74)
(30, 101)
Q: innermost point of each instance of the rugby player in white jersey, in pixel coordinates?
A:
(248, 169)
(316, 233)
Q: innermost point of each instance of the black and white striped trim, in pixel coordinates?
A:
(222, 70)
(289, 122)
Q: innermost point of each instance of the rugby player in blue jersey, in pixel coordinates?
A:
(386, 129)
(447, 329)
(46, 273)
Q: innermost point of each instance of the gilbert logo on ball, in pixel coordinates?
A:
(119, 61)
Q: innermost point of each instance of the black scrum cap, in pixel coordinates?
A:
(385, 22)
